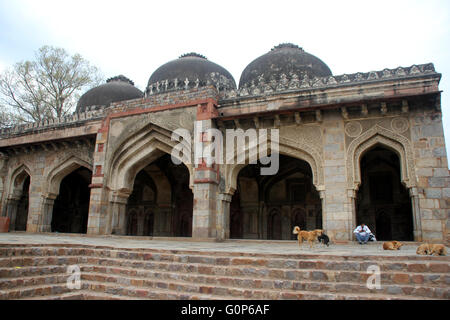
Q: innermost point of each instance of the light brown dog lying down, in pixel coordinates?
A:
(432, 249)
(392, 245)
(310, 236)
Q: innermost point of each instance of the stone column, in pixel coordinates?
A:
(140, 222)
(223, 216)
(99, 221)
(118, 204)
(336, 206)
(45, 224)
(352, 199)
(416, 214)
(11, 212)
(206, 176)
(205, 210)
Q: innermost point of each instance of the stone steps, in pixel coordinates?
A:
(34, 280)
(40, 271)
(319, 263)
(226, 285)
(230, 294)
(177, 255)
(34, 291)
(397, 273)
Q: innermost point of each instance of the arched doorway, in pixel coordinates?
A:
(383, 202)
(71, 207)
(22, 207)
(272, 205)
(18, 203)
(161, 201)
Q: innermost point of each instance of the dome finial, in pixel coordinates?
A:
(286, 45)
(193, 54)
(120, 78)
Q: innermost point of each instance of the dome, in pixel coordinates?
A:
(188, 71)
(115, 89)
(285, 59)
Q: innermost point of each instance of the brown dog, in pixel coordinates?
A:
(392, 245)
(437, 250)
(423, 249)
(310, 236)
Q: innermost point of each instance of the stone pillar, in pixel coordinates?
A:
(416, 214)
(223, 216)
(206, 176)
(118, 204)
(285, 223)
(99, 221)
(45, 224)
(205, 210)
(352, 202)
(11, 212)
(140, 226)
(336, 205)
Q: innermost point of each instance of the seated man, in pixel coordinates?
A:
(362, 233)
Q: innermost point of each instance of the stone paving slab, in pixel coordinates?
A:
(246, 246)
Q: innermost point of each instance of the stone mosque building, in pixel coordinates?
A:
(365, 147)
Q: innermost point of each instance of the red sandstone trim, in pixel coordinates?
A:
(95, 185)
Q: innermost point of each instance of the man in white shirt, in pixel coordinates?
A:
(362, 233)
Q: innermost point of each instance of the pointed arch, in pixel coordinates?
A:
(136, 152)
(391, 140)
(299, 150)
(60, 171)
(17, 179)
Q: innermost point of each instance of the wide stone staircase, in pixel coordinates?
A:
(41, 272)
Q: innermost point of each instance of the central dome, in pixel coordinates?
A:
(193, 67)
(286, 58)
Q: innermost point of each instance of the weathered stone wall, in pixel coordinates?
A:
(433, 181)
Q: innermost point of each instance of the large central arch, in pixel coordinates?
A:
(268, 207)
(135, 153)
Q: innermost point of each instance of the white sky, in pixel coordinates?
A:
(134, 38)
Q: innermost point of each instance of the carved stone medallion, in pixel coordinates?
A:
(353, 129)
(399, 125)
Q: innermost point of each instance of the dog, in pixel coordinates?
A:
(392, 245)
(310, 236)
(437, 250)
(423, 249)
(324, 239)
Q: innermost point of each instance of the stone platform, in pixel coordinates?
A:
(35, 266)
(245, 246)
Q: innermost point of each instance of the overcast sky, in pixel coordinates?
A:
(134, 38)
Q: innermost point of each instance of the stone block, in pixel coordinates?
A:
(438, 182)
(433, 193)
(432, 225)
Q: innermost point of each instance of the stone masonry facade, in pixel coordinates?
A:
(330, 123)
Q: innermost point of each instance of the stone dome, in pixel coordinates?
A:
(115, 89)
(286, 58)
(188, 71)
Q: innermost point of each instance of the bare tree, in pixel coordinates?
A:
(46, 88)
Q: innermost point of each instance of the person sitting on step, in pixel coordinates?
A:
(362, 233)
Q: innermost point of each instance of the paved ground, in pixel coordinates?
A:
(252, 246)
